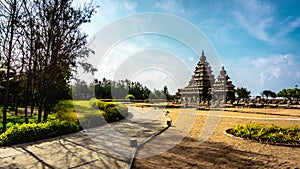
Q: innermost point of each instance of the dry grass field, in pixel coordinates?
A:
(223, 151)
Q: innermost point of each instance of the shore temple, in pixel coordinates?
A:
(204, 90)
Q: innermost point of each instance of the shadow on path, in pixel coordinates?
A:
(207, 155)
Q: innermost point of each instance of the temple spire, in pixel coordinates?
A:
(203, 58)
(223, 71)
(223, 89)
(199, 87)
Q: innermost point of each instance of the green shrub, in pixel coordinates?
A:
(9, 124)
(12, 120)
(64, 111)
(23, 133)
(130, 97)
(274, 134)
(113, 111)
(15, 119)
(93, 103)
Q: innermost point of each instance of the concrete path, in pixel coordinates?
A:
(171, 137)
(107, 146)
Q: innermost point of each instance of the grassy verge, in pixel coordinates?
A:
(68, 116)
(271, 134)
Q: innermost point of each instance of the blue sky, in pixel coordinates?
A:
(257, 41)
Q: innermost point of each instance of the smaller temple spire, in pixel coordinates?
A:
(223, 71)
(203, 58)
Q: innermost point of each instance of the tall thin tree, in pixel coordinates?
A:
(8, 31)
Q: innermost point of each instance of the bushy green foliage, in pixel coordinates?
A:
(93, 103)
(64, 111)
(290, 93)
(22, 133)
(113, 111)
(12, 120)
(273, 133)
(243, 92)
(15, 119)
(269, 93)
(63, 121)
(130, 97)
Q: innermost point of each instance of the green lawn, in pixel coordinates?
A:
(68, 116)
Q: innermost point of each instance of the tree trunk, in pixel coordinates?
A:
(46, 112)
(10, 48)
(17, 106)
(31, 108)
(40, 111)
(26, 112)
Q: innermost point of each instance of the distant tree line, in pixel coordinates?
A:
(291, 93)
(109, 89)
(242, 93)
(268, 93)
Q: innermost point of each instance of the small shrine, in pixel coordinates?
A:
(223, 89)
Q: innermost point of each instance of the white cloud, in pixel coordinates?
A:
(256, 17)
(148, 60)
(260, 61)
(175, 7)
(108, 11)
(275, 71)
(170, 6)
(130, 6)
(259, 19)
(115, 57)
(275, 67)
(158, 80)
(262, 77)
(290, 26)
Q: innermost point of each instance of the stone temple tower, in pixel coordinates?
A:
(223, 89)
(199, 87)
(204, 90)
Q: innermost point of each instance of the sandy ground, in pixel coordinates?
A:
(223, 151)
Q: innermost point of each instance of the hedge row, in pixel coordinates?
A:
(23, 133)
(113, 111)
(273, 133)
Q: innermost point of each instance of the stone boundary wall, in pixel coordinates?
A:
(249, 103)
(266, 103)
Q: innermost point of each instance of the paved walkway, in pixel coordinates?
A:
(103, 147)
(171, 137)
